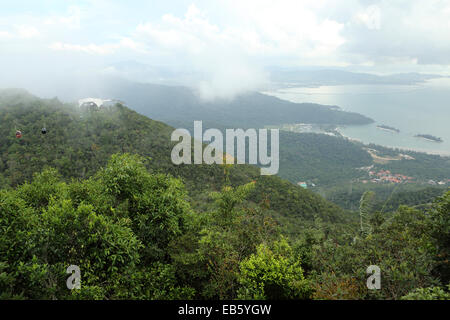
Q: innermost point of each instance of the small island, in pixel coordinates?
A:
(388, 128)
(429, 137)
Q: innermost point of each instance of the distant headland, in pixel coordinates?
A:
(429, 137)
(388, 128)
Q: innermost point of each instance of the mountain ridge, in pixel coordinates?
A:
(179, 103)
(78, 143)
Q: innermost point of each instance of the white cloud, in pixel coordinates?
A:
(99, 49)
(26, 31)
(390, 32)
(5, 35)
(20, 32)
(71, 20)
(370, 16)
(226, 54)
(216, 53)
(26, 26)
(288, 28)
(229, 43)
(193, 34)
(226, 80)
(89, 48)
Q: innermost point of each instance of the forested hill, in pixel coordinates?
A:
(137, 234)
(78, 143)
(176, 105)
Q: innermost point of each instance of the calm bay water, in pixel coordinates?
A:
(415, 109)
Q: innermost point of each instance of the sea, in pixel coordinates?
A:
(413, 109)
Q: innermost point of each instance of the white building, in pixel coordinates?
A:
(99, 102)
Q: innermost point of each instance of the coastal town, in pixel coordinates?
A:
(386, 176)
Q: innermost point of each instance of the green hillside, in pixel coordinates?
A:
(79, 143)
(99, 191)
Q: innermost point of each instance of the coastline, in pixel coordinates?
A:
(431, 152)
(343, 96)
(388, 130)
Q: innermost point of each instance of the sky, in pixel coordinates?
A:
(223, 40)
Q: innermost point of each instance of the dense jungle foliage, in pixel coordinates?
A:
(99, 191)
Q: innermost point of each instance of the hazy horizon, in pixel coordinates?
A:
(220, 48)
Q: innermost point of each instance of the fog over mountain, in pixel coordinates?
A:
(249, 153)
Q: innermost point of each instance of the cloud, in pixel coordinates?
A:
(216, 53)
(230, 77)
(71, 20)
(260, 28)
(288, 28)
(89, 48)
(192, 34)
(224, 46)
(390, 32)
(99, 49)
(20, 32)
(26, 32)
(231, 55)
(5, 35)
(370, 17)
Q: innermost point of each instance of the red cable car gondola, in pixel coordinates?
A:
(18, 134)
